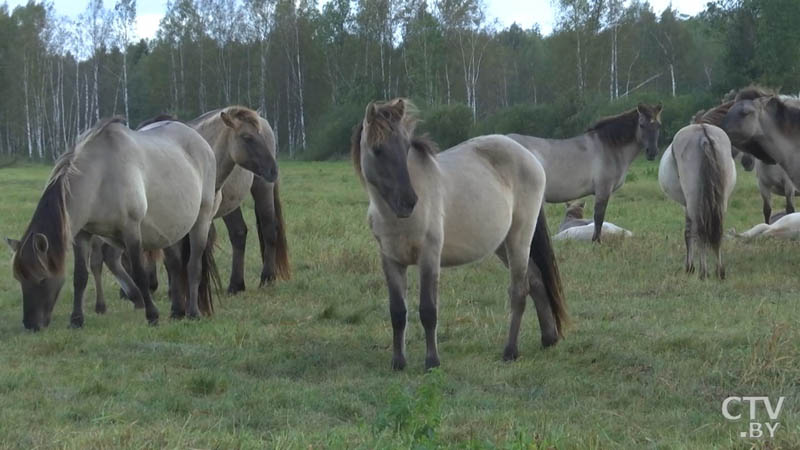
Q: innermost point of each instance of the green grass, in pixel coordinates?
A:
(306, 363)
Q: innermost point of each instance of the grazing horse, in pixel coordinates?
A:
(787, 227)
(576, 228)
(480, 197)
(240, 139)
(768, 127)
(697, 171)
(596, 162)
(138, 189)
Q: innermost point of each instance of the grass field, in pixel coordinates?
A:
(647, 363)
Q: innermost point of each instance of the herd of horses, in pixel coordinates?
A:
(126, 198)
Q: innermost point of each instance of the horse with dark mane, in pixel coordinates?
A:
(596, 162)
(433, 210)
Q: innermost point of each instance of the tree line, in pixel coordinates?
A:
(310, 68)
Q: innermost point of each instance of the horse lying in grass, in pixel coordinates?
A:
(576, 228)
(480, 197)
(786, 227)
(697, 172)
(141, 190)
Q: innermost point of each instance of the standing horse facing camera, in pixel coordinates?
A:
(138, 189)
(697, 171)
(480, 197)
(596, 162)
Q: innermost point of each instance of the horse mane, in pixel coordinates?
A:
(617, 130)
(753, 92)
(242, 113)
(787, 116)
(714, 116)
(164, 117)
(386, 121)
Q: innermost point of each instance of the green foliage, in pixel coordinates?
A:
(331, 137)
(447, 125)
(414, 416)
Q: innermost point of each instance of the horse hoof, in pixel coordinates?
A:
(76, 322)
(431, 363)
(267, 279)
(235, 288)
(194, 315)
(100, 308)
(152, 318)
(510, 354)
(177, 315)
(549, 341)
(398, 363)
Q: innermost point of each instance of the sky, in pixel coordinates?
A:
(524, 12)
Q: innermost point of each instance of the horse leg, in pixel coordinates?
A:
(176, 280)
(237, 232)
(538, 292)
(396, 283)
(96, 265)
(80, 277)
(198, 238)
(429, 266)
(114, 258)
(766, 200)
(789, 194)
(600, 203)
(267, 226)
(687, 234)
(132, 240)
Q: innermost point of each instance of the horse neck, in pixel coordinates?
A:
(218, 137)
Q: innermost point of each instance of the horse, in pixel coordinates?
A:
(697, 172)
(773, 179)
(767, 126)
(597, 161)
(434, 210)
(267, 204)
(576, 228)
(140, 190)
(240, 139)
(787, 227)
(715, 116)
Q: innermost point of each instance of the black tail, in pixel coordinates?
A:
(210, 283)
(545, 260)
(711, 195)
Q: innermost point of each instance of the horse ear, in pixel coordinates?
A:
(775, 106)
(40, 244)
(659, 107)
(13, 244)
(227, 119)
(372, 111)
(400, 107)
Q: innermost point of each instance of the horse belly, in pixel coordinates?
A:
(565, 184)
(235, 190)
(170, 215)
(473, 232)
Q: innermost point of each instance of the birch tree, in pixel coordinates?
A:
(124, 22)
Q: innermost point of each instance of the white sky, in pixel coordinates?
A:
(524, 12)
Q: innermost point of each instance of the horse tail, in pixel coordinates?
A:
(209, 276)
(282, 268)
(711, 202)
(545, 259)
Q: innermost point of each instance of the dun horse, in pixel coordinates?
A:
(774, 180)
(480, 197)
(574, 227)
(768, 127)
(786, 227)
(596, 162)
(697, 171)
(139, 189)
(240, 139)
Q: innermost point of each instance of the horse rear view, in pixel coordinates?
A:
(697, 171)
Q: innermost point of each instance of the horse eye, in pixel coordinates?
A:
(247, 137)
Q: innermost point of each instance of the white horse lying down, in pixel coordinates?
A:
(787, 227)
(576, 228)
